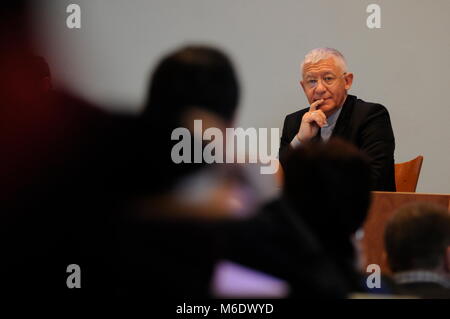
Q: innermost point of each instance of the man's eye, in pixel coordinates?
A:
(329, 78)
(311, 81)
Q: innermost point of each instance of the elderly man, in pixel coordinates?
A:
(334, 113)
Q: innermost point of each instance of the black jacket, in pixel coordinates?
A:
(363, 124)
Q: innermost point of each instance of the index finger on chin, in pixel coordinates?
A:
(314, 105)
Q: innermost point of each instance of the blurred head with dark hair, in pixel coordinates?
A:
(418, 238)
(191, 83)
(328, 185)
(197, 76)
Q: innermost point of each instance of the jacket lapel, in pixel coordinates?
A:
(342, 124)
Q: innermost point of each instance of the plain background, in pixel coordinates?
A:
(405, 65)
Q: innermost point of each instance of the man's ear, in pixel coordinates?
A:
(348, 78)
(302, 85)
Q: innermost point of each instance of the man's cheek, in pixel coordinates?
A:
(329, 104)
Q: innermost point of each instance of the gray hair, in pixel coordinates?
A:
(315, 55)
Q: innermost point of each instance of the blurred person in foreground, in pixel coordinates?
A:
(166, 245)
(417, 242)
(59, 181)
(328, 187)
(326, 194)
(59, 184)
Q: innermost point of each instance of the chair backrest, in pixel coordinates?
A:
(407, 174)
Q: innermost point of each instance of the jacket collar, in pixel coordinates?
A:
(344, 117)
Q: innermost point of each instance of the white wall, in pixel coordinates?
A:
(405, 65)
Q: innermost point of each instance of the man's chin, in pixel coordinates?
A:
(326, 105)
(328, 109)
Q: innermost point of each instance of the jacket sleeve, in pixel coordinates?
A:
(285, 140)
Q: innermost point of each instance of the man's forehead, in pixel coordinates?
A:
(322, 66)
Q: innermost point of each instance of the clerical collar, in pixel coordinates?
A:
(331, 120)
(327, 130)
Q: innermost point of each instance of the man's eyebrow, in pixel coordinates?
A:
(316, 74)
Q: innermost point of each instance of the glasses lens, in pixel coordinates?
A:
(328, 80)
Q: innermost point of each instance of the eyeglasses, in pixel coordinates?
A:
(328, 80)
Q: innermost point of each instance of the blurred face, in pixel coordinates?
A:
(326, 80)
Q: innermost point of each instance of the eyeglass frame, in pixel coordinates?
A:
(323, 81)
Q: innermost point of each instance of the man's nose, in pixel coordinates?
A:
(320, 88)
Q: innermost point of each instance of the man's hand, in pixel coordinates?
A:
(311, 121)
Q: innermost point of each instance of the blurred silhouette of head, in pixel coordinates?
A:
(418, 238)
(193, 76)
(328, 185)
(196, 80)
